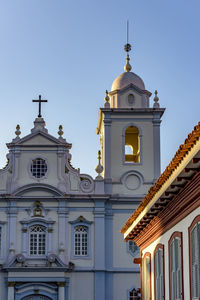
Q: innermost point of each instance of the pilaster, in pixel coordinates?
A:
(99, 250)
(16, 153)
(109, 252)
(61, 291)
(107, 146)
(156, 133)
(12, 226)
(11, 291)
(62, 230)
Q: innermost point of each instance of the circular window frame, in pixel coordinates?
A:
(29, 167)
(135, 173)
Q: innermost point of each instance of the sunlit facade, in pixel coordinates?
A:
(166, 227)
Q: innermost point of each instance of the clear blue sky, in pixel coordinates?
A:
(71, 51)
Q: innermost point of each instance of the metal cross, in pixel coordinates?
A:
(40, 101)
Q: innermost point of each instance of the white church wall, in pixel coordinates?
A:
(80, 204)
(123, 99)
(81, 286)
(122, 283)
(121, 258)
(2, 285)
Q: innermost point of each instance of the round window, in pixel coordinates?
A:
(38, 167)
(131, 99)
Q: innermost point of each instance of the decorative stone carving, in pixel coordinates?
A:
(17, 132)
(132, 180)
(86, 184)
(99, 167)
(37, 210)
(156, 99)
(107, 99)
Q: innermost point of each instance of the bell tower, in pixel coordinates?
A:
(129, 131)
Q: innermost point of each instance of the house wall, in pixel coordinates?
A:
(182, 226)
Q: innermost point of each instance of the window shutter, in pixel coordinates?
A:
(161, 275)
(195, 258)
(157, 274)
(144, 279)
(172, 271)
(178, 270)
(198, 257)
(148, 277)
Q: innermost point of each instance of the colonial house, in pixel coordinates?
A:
(60, 229)
(166, 227)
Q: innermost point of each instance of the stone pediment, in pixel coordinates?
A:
(133, 87)
(58, 177)
(50, 262)
(39, 138)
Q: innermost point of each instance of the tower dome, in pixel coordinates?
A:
(126, 79)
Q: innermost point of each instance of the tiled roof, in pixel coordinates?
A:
(182, 151)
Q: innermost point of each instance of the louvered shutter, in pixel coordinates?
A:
(195, 268)
(148, 277)
(161, 274)
(178, 268)
(144, 280)
(198, 259)
(156, 274)
(172, 271)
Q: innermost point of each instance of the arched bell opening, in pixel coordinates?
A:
(132, 144)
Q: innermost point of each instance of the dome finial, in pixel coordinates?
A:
(127, 48)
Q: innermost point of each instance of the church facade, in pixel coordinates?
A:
(60, 229)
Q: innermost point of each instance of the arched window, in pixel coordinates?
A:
(37, 240)
(194, 247)
(175, 266)
(146, 276)
(159, 272)
(131, 99)
(132, 144)
(80, 240)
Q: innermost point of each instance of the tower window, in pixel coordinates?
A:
(132, 145)
(131, 99)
